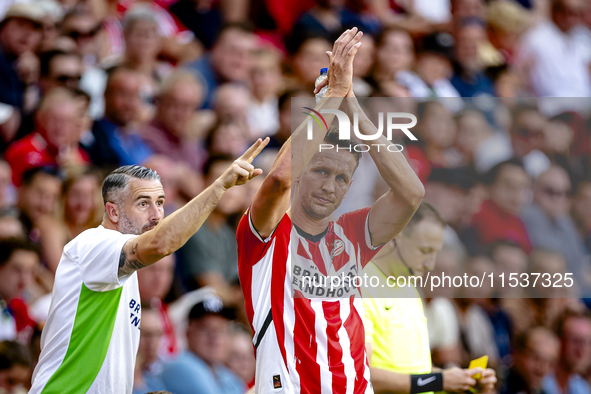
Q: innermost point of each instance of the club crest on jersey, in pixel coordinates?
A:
(338, 248)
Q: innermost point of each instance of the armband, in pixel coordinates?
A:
(426, 382)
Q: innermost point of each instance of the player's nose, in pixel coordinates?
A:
(155, 213)
(328, 186)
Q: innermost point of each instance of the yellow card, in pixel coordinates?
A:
(479, 362)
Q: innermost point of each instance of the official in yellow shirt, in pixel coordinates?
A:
(396, 335)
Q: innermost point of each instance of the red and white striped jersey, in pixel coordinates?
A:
(314, 345)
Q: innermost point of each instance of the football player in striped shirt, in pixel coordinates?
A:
(306, 344)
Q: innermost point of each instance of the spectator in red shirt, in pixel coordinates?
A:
(56, 138)
(509, 185)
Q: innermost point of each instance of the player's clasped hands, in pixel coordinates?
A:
(459, 380)
(340, 64)
(242, 171)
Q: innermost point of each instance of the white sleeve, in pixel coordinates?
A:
(98, 259)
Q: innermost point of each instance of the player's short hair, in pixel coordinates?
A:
(425, 211)
(13, 353)
(117, 181)
(11, 245)
(332, 137)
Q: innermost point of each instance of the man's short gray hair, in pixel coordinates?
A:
(117, 181)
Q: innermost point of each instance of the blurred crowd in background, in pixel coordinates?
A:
(183, 87)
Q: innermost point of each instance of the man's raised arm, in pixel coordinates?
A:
(273, 198)
(176, 229)
(392, 211)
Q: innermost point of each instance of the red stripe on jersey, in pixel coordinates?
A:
(302, 251)
(335, 352)
(250, 251)
(354, 327)
(306, 347)
(317, 255)
(280, 254)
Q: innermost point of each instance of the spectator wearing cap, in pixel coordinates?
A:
(574, 331)
(554, 56)
(115, 140)
(548, 222)
(536, 355)
(56, 140)
(498, 219)
(469, 78)
(53, 14)
(507, 21)
(433, 69)
(14, 367)
(18, 261)
(37, 204)
(20, 32)
(200, 369)
(229, 60)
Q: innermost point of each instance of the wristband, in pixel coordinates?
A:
(426, 382)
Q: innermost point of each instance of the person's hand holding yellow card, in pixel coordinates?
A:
(479, 362)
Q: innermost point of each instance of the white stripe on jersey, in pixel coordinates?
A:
(322, 352)
(346, 346)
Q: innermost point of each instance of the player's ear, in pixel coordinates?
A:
(112, 212)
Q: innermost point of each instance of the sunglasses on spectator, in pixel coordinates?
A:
(68, 78)
(77, 35)
(556, 193)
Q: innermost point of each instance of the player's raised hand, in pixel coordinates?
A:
(242, 171)
(340, 64)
